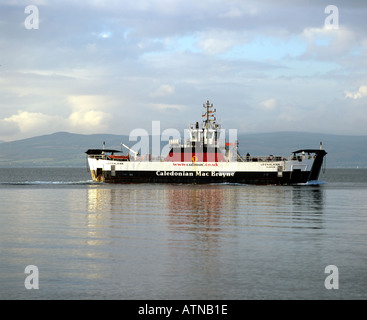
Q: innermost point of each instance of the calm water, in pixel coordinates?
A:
(98, 241)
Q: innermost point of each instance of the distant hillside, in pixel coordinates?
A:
(64, 149)
(61, 149)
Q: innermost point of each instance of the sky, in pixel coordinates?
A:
(114, 66)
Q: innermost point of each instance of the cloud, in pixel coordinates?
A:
(93, 65)
(164, 90)
(8, 128)
(269, 104)
(34, 122)
(89, 121)
(218, 41)
(88, 102)
(328, 43)
(105, 35)
(167, 107)
(239, 10)
(360, 93)
(88, 113)
(86, 116)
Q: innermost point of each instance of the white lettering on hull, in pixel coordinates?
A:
(174, 174)
(191, 174)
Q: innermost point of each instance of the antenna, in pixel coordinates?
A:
(209, 114)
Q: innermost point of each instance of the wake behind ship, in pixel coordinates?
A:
(205, 157)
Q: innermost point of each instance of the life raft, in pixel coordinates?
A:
(119, 157)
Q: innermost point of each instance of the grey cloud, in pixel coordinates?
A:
(144, 49)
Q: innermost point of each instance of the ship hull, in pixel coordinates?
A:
(257, 178)
(298, 170)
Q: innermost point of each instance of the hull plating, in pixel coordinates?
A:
(258, 178)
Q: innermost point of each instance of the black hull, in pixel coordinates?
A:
(256, 178)
(296, 176)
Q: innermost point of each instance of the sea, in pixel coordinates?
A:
(64, 237)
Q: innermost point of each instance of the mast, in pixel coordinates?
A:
(208, 134)
(209, 122)
(210, 127)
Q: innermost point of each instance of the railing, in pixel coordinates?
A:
(149, 158)
(260, 158)
(145, 158)
(271, 158)
(98, 156)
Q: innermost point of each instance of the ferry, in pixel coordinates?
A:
(205, 157)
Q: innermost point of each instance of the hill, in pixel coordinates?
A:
(63, 149)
